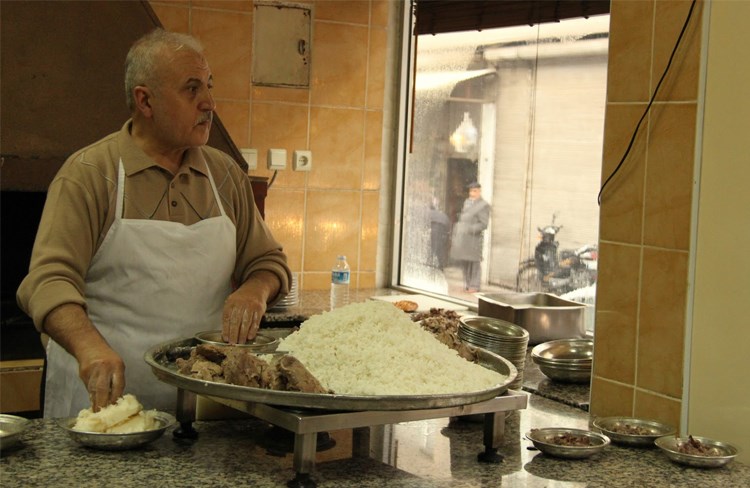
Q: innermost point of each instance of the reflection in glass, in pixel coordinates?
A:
(520, 111)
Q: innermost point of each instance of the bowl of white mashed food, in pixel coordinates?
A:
(120, 426)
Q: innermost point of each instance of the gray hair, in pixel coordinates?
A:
(145, 57)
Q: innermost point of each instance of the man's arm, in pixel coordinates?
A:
(101, 369)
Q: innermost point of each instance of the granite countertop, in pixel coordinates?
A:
(428, 453)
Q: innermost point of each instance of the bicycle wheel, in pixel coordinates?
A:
(528, 279)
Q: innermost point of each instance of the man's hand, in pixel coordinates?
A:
(103, 372)
(100, 368)
(245, 307)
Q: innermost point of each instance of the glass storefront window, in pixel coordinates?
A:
(513, 117)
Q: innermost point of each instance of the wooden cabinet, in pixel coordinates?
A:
(20, 385)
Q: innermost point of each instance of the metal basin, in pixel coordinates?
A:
(547, 317)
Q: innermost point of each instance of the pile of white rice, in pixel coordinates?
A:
(373, 348)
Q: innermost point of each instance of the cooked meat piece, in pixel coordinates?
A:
(270, 377)
(212, 352)
(695, 447)
(631, 429)
(243, 368)
(568, 439)
(406, 305)
(295, 377)
(207, 371)
(185, 365)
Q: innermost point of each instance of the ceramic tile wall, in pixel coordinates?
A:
(334, 208)
(645, 212)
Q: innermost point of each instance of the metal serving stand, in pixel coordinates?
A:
(306, 415)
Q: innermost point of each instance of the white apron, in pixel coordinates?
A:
(150, 282)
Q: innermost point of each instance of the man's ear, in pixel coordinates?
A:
(142, 97)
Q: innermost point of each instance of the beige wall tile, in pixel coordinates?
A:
(655, 407)
(369, 236)
(366, 279)
(337, 143)
(669, 176)
(351, 11)
(238, 5)
(376, 68)
(373, 150)
(339, 69)
(320, 280)
(619, 268)
(630, 33)
(615, 343)
(277, 94)
(380, 11)
(279, 126)
(235, 116)
(332, 227)
(662, 321)
(227, 38)
(286, 222)
(681, 82)
(174, 17)
(620, 215)
(610, 399)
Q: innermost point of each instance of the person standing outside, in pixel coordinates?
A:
(468, 237)
(147, 235)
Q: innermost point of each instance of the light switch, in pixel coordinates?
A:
(276, 159)
(251, 158)
(302, 160)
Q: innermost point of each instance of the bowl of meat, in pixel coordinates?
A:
(568, 443)
(632, 432)
(697, 452)
(11, 430)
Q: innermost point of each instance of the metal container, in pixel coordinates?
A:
(670, 445)
(117, 442)
(631, 431)
(547, 317)
(544, 440)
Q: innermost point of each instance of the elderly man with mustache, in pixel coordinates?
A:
(146, 236)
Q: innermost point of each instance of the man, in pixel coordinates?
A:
(143, 235)
(468, 234)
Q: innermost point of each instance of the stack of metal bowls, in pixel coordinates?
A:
(565, 360)
(291, 300)
(503, 338)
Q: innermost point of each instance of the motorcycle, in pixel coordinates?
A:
(557, 272)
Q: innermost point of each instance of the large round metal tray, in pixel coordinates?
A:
(161, 358)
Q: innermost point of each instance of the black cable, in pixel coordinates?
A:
(648, 107)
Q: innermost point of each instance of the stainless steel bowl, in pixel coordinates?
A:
(11, 430)
(117, 442)
(613, 428)
(261, 343)
(564, 351)
(670, 445)
(565, 360)
(543, 439)
(562, 374)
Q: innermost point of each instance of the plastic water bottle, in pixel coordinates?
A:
(340, 283)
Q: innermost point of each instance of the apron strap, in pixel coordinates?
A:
(120, 191)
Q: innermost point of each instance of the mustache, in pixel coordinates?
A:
(206, 117)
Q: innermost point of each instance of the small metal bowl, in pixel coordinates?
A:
(543, 439)
(261, 343)
(117, 442)
(566, 374)
(611, 427)
(565, 351)
(670, 446)
(11, 429)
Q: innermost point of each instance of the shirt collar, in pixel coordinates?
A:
(135, 160)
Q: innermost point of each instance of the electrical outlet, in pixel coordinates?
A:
(302, 160)
(276, 159)
(251, 158)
